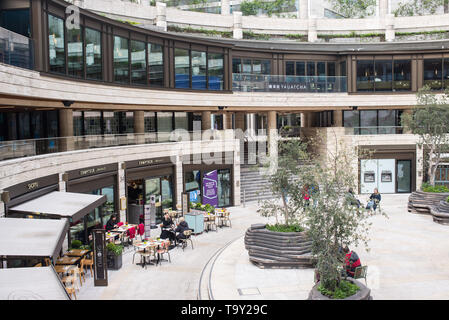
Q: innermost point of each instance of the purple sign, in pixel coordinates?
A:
(210, 188)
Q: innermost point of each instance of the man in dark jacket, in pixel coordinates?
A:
(112, 223)
(352, 261)
(182, 226)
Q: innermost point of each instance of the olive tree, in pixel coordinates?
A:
(420, 7)
(429, 120)
(354, 8)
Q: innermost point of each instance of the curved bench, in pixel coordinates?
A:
(430, 203)
(269, 249)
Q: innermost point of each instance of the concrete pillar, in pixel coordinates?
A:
(303, 120)
(239, 120)
(2, 209)
(237, 31)
(303, 9)
(383, 8)
(419, 167)
(139, 126)
(389, 27)
(62, 183)
(179, 179)
(161, 15)
(121, 183)
(338, 118)
(312, 35)
(66, 129)
(237, 181)
(272, 133)
(225, 7)
(227, 121)
(205, 120)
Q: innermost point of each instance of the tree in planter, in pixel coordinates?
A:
(430, 121)
(353, 8)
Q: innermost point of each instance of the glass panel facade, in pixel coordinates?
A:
(150, 121)
(78, 129)
(311, 68)
(383, 75)
(351, 119)
(445, 73)
(300, 68)
(199, 70)
(75, 52)
(368, 118)
(126, 122)
(182, 68)
(246, 66)
(290, 68)
(402, 75)
(387, 118)
(156, 65)
(138, 63)
(192, 180)
(224, 188)
(93, 55)
(121, 60)
(215, 71)
(16, 20)
(433, 69)
(56, 44)
(164, 121)
(181, 120)
(111, 123)
(365, 73)
(236, 65)
(92, 123)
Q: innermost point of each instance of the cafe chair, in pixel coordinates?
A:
(72, 278)
(147, 253)
(162, 250)
(47, 262)
(71, 291)
(183, 242)
(141, 231)
(120, 224)
(225, 219)
(211, 222)
(136, 248)
(89, 263)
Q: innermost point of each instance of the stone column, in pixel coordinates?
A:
(227, 121)
(66, 142)
(205, 120)
(139, 126)
(312, 35)
(383, 8)
(121, 182)
(237, 31)
(272, 133)
(237, 181)
(225, 7)
(389, 27)
(2, 208)
(161, 15)
(303, 9)
(419, 167)
(303, 119)
(338, 118)
(179, 179)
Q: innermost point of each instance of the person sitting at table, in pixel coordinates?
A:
(167, 228)
(112, 223)
(182, 226)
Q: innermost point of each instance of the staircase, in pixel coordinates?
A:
(253, 184)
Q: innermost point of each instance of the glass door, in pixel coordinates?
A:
(224, 188)
(404, 177)
(153, 187)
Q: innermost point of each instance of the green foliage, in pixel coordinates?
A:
(353, 8)
(430, 121)
(255, 36)
(223, 34)
(116, 249)
(285, 228)
(276, 7)
(344, 290)
(85, 247)
(419, 7)
(76, 244)
(447, 199)
(352, 34)
(203, 207)
(426, 187)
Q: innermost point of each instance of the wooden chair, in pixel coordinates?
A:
(225, 219)
(89, 263)
(212, 222)
(188, 234)
(47, 262)
(162, 250)
(147, 253)
(72, 278)
(360, 272)
(37, 265)
(82, 273)
(71, 291)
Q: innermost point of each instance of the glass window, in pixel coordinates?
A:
(383, 75)
(37, 125)
(236, 65)
(56, 44)
(368, 121)
(94, 69)
(181, 120)
(351, 120)
(121, 60)
(167, 192)
(108, 208)
(215, 71)
(150, 121)
(75, 52)
(156, 64)
(138, 63)
(164, 121)
(446, 73)
(192, 180)
(126, 122)
(3, 127)
(290, 68)
(16, 20)
(433, 73)
(78, 123)
(52, 124)
(224, 187)
(331, 69)
(402, 75)
(246, 67)
(321, 69)
(266, 67)
(182, 68)
(387, 119)
(111, 123)
(199, 70)
(300, 68)
(23, 119)
(92, 123)
(310, 68)
(365, 73)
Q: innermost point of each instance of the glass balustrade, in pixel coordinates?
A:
(16, 49)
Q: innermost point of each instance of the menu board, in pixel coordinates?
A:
(100, 261)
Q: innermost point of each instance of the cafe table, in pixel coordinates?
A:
(62, 268)
(149, 244)
(77, 253)
(124, 228)
(111, 235)
(67, 260)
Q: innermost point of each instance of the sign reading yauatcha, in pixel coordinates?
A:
(287, 86)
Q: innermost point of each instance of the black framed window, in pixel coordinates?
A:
(433, 73)
(111, 122)
(199, 68)
(92, 123)
(78, 123)
(365, 75)
(138, 63)
(126, 122)
(290, 68)
(236, 65)
(156, 65)
(373, 121)
(75, 53)
(402, 75)
(164, 121)
(56, 44)
(150, 121)
(383, 75)
(16, 20)
(182, 68)
(121, 60)
(94, 67)
(215, 71)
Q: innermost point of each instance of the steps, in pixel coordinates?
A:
(253, 184)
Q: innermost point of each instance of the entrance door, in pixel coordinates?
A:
(162, 188)
(404, 176)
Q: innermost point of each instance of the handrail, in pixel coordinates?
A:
(374, 130)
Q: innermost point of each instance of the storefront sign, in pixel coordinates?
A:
(92, 171)
(185, 203)
(147, 219)
(210, 188)
(100, 261)
(33, 185)
(287, 86)
(193, 196)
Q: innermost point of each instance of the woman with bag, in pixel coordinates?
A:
(374, 200)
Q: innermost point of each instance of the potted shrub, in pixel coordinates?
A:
(114, 256)
(76, 244)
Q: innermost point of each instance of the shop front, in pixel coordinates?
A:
(389, 172)
(210, 183)
(149, 178)
(98, 180)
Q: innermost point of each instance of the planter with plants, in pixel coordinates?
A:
(114, 256)
(207, 208)
(348, 289)
(429, 200)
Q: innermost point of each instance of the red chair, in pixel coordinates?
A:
(104, 227)
(120, 224)
(141, 230)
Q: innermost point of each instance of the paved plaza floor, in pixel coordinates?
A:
(408, 259)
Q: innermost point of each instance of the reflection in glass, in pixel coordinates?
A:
(182, 68)
(150, 121)
(215, 71)
(368, 118)
(365, 75)
(156, 64)
(121, 60)
(236, 65)
(402, 75)
(164, 121)
(290, 68)
(383, 75)
(387, 118)
(181, 120)
(193, 181)
(224, 187)
(138, 63)
(404, 176)
(433, 73)
(93, 55)
(75, 52)
(198, 70)
(92, 123)
(56, 44)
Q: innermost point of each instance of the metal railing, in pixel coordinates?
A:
(16, 50)
(33, 147)
(246, 82)
(373, 130)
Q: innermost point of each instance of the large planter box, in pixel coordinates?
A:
(114, 262)
(363, 294)
(195, 220)
(268, 249)
(430, 203)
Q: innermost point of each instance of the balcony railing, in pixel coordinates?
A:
(373, 130)
(16, 49)
(246, 82)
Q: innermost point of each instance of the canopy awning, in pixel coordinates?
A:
(22, 238)
(31, 284)
(61, 204)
